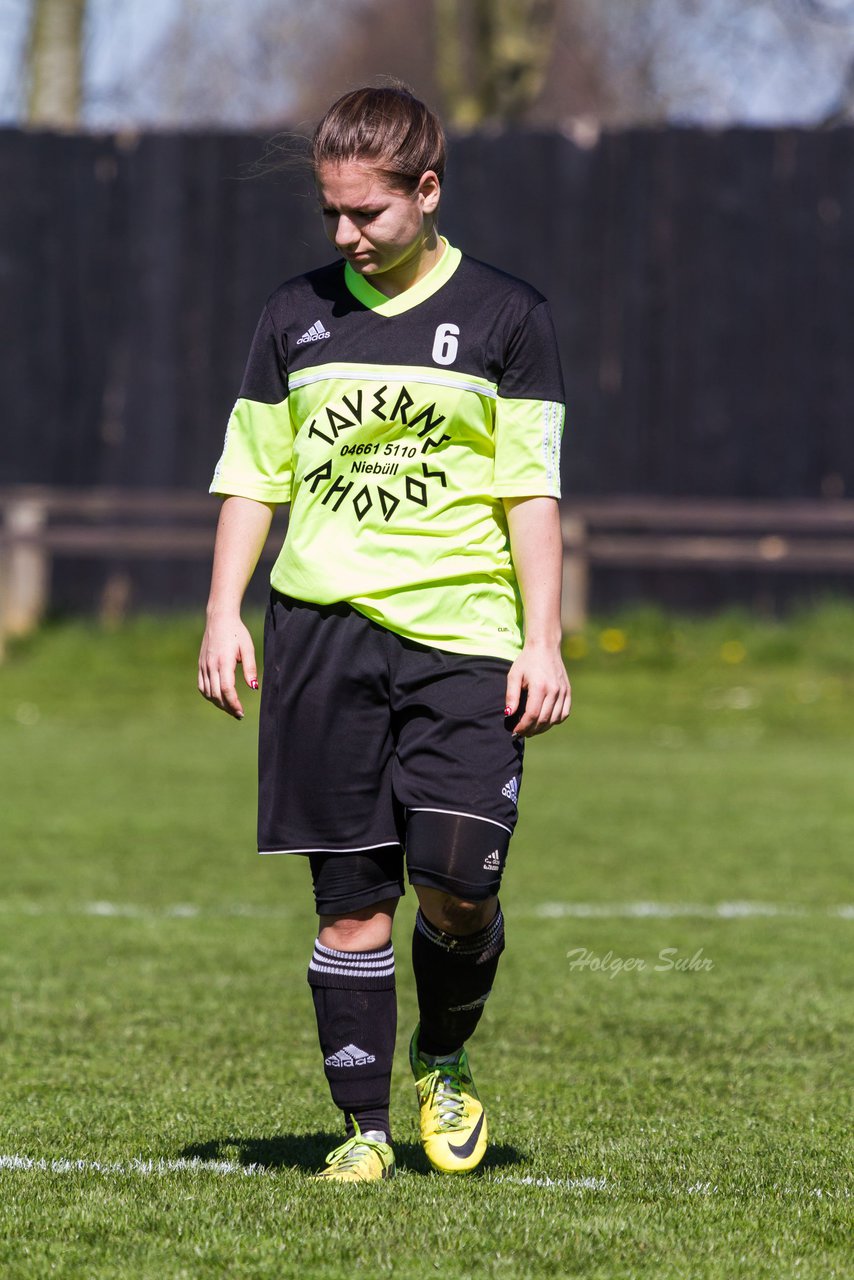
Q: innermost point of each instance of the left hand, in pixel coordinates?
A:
(540, 671)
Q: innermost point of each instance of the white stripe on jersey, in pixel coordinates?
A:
(552, 423)
(370, 375)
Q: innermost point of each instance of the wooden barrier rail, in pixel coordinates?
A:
(40, 524)
(701, 533)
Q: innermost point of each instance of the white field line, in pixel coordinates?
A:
(544, 911)
(694, 1188)
(137, 911)
(226, 1168)
(672, 910)
(571, 1184)
(25, 1164)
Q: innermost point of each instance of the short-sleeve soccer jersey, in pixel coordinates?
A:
(395, 427)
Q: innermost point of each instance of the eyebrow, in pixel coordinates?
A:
(328, 206)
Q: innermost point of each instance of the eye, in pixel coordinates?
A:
(363, 215)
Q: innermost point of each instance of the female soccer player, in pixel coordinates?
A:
(407, 401)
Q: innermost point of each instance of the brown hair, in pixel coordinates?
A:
(388, 126)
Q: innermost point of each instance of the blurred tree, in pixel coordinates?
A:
(836, 12)
(55, 62)
(584, 64)
(574, 63)
(716, 61)
(842, 110)
(375, 39)
(221, 63)
(477, 61)
(492, 57)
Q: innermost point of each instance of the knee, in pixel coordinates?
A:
(362, 930)
(457, 915)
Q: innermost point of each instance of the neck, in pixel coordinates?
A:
(412, 269)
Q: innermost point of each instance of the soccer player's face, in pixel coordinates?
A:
(376, 227)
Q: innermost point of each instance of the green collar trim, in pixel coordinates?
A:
(411, 297)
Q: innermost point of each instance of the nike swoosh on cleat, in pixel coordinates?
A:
(469, 1145)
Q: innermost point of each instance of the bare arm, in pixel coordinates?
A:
(240, 536)
(537, 549)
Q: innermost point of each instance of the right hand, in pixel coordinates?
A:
(226, 643)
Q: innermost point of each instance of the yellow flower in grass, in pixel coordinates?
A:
(733, 652)
(613, 640)
(575, 646)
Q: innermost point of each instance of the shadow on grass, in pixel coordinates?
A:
(308, 1151)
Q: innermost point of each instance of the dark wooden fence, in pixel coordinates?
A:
(41, 528)
(702, 285)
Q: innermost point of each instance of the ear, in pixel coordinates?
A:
(429, 190)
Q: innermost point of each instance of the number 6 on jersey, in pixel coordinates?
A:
(445, 344)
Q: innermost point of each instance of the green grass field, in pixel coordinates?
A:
(162, 1089)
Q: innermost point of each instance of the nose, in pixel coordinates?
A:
(347, 234)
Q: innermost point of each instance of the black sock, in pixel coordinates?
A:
(453, 977)
(356, 1007)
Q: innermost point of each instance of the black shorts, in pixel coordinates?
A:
(371, 744)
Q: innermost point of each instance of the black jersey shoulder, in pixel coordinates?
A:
(514, 335)
(493, 285)
(481, 282)
(323, 287)
(292, 320)
(318, 321)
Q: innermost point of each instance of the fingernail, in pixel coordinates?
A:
(253, 684)
(508, 711)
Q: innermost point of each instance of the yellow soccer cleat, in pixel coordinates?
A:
(359, 1159)
(453, 1122)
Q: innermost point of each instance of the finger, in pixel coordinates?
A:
(250, 669)
(545, 717)
(552, 714)
(557, 710)
(228, 693)
(213, 693)
(560, 710)
(532, 712)
(513, 691)
(204, 678)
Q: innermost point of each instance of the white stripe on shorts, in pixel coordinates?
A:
(360, 848)
(458, 813)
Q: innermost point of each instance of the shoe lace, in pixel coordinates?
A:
(351, 1152)
(348, 1155)
(443, 1088)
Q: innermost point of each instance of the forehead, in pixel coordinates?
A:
(351, 184)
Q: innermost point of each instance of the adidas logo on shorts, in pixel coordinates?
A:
(492, 861)
(314, 334)
(511, 790)
(350, 1056)
(475, 1004)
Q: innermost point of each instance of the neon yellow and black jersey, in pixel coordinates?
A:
(394, 427)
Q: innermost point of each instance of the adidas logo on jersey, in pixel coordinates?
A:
(350, 1056)
(492, 861)
(314, 334)
(511, 790)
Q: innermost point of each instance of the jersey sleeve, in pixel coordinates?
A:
(529, 413)
(258, 448)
